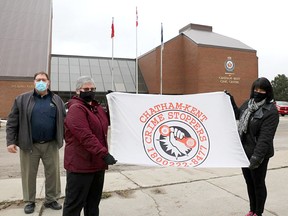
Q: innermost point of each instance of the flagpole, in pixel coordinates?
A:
(161, 59)
(112, 67)
(136, 64)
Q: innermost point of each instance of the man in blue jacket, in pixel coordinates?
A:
(36, 125)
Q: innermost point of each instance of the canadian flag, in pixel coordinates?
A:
(112, 28)
(136, 17)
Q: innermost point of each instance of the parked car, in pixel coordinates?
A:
(282, 107)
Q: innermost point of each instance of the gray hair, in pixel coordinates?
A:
(82, 80)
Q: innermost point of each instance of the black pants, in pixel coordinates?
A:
(257, 192)
(83, 190)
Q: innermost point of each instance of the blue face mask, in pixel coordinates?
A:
(41, 86)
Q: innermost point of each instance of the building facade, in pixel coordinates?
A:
(199, 60)
(195, 61)
(25, 46)
(66, 69)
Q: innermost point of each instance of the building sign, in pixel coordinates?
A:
(229, 65)
(18, 86)
(229, 80)
(229, 77)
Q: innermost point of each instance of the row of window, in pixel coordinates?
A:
(66, 70)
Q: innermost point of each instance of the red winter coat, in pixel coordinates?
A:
(86, 129)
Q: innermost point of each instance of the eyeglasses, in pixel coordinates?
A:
(43, 80)
(88, 89)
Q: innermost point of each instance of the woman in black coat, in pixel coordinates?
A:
(258, 120)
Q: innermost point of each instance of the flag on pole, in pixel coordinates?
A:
(112, 28)
(136, 17)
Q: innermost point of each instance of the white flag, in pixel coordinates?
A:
(196, 130)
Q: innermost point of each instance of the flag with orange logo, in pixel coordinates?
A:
(184, 131)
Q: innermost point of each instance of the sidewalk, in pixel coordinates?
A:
(172, 192)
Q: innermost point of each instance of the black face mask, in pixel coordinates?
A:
(259, 96)
(87, 96)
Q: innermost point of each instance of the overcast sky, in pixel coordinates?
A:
(83, 27)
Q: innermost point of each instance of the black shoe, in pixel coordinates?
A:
(53, 205)
(29, 208)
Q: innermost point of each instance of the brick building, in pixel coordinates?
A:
(195, 61)
(199, 60)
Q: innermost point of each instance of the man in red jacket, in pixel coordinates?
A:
(86, 155)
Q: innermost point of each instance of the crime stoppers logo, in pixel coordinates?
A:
(174, 135)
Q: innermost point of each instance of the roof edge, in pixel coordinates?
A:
(226, 47)
(195, 27)
(82, 56)
(16, 78)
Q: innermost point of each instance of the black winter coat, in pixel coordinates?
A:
(258, 140)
